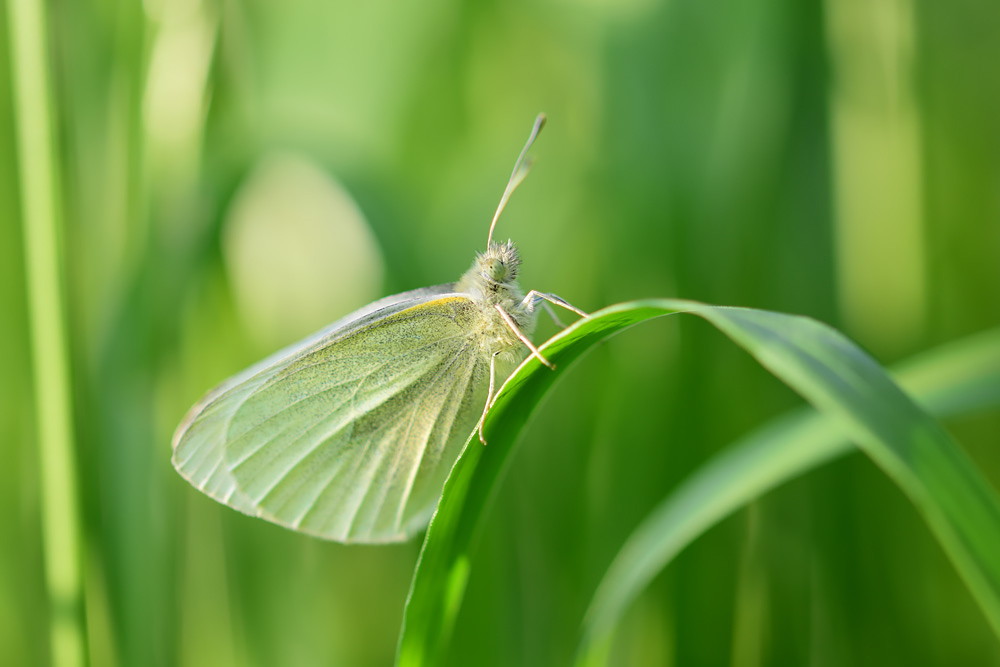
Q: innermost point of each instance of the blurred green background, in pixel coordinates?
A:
(234, 175)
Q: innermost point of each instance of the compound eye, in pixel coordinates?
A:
(497, 270)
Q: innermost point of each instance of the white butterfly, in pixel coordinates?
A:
(350, 434)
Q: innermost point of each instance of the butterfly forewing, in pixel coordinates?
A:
(353, 438)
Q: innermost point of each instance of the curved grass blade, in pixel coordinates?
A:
(839, 379)
(443, 567)
(960, 377)
(821, 364)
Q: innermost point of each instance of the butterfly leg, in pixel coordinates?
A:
(489, 396)
(524, 339)
(552, 314)
(535, 295)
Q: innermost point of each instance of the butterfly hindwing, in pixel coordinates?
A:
(351, 436)
(199, 440)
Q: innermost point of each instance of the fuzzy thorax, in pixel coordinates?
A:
(492, 281)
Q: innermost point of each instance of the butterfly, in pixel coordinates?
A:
(350, 434)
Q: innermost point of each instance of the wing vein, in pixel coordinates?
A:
(409, 428)
(274, 415)
(447, 434)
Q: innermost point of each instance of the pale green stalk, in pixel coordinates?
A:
(50, 365)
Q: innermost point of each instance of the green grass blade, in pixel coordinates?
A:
(959, 377)
(839, 379)
(442, 570)
(50, 364)
(815, 360)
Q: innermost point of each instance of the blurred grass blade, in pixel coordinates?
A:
(50, 365)
(830, 371)
(839, 379)
(960, 377)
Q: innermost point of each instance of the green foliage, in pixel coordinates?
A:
(946, 382)
(233, 176)
(844, 383)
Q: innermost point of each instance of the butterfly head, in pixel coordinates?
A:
(499, 264)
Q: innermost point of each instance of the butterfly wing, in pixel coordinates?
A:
(350, 434)
(200, 438)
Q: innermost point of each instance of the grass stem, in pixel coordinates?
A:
(40, 209)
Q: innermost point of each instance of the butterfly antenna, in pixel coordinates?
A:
(521, 169)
